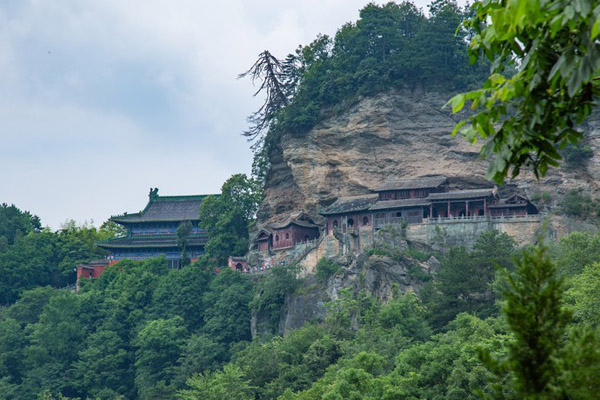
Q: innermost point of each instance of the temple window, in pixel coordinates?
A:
(365, 221)
(277, 238)
(350, 223)
(335, 224)
(287, 235)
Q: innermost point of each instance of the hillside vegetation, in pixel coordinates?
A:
(393, 46)
(144, 331)
(494, 321)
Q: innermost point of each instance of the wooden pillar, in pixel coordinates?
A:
(484, 208)
(448, 209)
(467, 208)
(431, 210)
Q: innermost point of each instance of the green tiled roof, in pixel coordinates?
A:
(151, 241)
(165, 208)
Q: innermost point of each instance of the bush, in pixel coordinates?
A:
(579, 205)
(326, 268)
(576, 154)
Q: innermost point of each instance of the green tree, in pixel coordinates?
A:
(183, 234)
(103, 368)
(526, 117)
(464, 281)
(110, 229)
(181, 292)
(227, 320)
(447, 366)
(573, 252)
(201, 354)
(15, 223)
(271, 291)
(12, 345)
(55, 342)
(159, 346)
(221, 385)
(31, 304)
(584, 294)
(537, 321)
(227, 217)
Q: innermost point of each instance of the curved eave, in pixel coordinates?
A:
(146, 246)
(358, 210)
(125, 220)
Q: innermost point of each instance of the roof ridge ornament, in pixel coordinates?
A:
(153, 195)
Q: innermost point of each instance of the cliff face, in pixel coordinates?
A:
(395, 135)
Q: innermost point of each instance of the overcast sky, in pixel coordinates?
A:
(102, 99)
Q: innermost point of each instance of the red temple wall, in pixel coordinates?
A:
(233, 264)
(357, 218)
(279, 237)
(93, 272)
(302, 234)
(263, 245)
(295, 234)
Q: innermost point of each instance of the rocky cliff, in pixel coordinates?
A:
(397, 135)
(394, 135)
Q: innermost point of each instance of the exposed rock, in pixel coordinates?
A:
(380, 275)
(395, 135)
(307, 304)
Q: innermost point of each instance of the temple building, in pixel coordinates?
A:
(297, 228)
(414, 201)
(152, 232)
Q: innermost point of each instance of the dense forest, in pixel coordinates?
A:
(145, 331)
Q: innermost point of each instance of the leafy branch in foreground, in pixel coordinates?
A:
(526, 118)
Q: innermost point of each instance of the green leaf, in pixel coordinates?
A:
(458, 102)
(595, 28)
(457, 127)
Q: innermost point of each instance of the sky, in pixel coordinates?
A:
(100, 100)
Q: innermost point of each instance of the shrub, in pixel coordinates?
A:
(576, 154)
(580, 205)
(326, 268)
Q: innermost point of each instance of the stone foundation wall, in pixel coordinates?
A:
(439, 233)
(449, 232)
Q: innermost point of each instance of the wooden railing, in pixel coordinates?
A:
(379, 222)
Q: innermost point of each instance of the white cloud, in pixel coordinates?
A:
(102, 99)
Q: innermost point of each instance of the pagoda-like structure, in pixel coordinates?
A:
(152, 232)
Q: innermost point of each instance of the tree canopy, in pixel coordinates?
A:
(227, 217)
(391, 46)
(526, 117)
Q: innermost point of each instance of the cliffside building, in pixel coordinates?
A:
(414, 201)
(426, 207)
(296, 229)
(153, 231)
